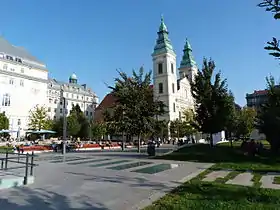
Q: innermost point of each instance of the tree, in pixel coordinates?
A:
(274, 7)
(212, 100)
(38, 119)
(4, 121)
(245, 122)
(135, 97)
(98, 130)
(268, 118)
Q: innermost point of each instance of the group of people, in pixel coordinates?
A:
(251, 147)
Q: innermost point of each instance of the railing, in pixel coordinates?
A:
(28, 163)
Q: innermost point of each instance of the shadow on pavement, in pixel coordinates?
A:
(24, 198)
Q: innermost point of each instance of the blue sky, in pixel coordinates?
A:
(93, 38)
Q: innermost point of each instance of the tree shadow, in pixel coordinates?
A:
(130, 181)
(24, 198)
(204, 153)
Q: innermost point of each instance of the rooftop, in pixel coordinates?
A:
(11, 50)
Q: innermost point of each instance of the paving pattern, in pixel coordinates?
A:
(244, 179)
(115, 181)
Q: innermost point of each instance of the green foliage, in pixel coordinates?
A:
(98, 130)
(4, 121)
(245, 123)
(77, 124)
(268, 118)
(274, 7)
(136, 109)
(213, 100)
(38, 119)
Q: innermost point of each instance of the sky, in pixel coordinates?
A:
(94, 38)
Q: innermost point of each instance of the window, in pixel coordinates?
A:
(61, 103)
(5, 66)
(22, 70)
(12, 69)
(72, 95)
(172, 68)
(50, 100)
(54, 117)
(9, 58)
(60, 110)
(180, 116)
(86, 113)
(6, 101)
(77, 97)
(160, 88)
(19, 60)
(160, 71)
(90, 113)
(11, 82)
(67, 95)
(21, 83)
(49, 109)
(173, 88)
(54, 109)
(55, 101)
(174, 107)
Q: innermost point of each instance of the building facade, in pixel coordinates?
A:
(74, 94)
(173, 90)
(256, 99)
(24, 83)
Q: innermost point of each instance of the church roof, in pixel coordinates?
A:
(163, 43)
(188, 59)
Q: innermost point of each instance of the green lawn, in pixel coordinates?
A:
(197, 194)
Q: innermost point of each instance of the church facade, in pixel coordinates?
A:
(172, 89)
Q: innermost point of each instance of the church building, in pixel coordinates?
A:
(172, 89)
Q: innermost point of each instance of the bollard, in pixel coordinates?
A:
(6, 160)
(26, 170)
(32, 161)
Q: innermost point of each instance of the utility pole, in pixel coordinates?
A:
(63, 99)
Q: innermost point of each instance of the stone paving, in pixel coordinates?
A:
(214, 175)
(94, 181)
(244, 179)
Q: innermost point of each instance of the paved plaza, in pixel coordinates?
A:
(99, 180)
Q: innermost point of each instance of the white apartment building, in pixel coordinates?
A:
(74, 94)
(24, 83)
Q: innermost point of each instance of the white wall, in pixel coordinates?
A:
(26, 88)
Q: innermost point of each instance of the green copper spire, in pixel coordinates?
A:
(188, 59)
(163, 44)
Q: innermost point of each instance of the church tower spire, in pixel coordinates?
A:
(164, 72)
(163, 43)
(188, 66)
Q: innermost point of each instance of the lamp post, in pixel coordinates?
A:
(63, 99)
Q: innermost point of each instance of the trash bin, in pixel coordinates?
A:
(151, 149)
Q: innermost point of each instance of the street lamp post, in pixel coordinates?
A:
(63, 99)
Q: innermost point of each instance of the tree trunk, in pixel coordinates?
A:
(139, 143)
(211, 140)
(123, 142)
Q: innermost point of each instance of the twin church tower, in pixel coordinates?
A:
(173, 91)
